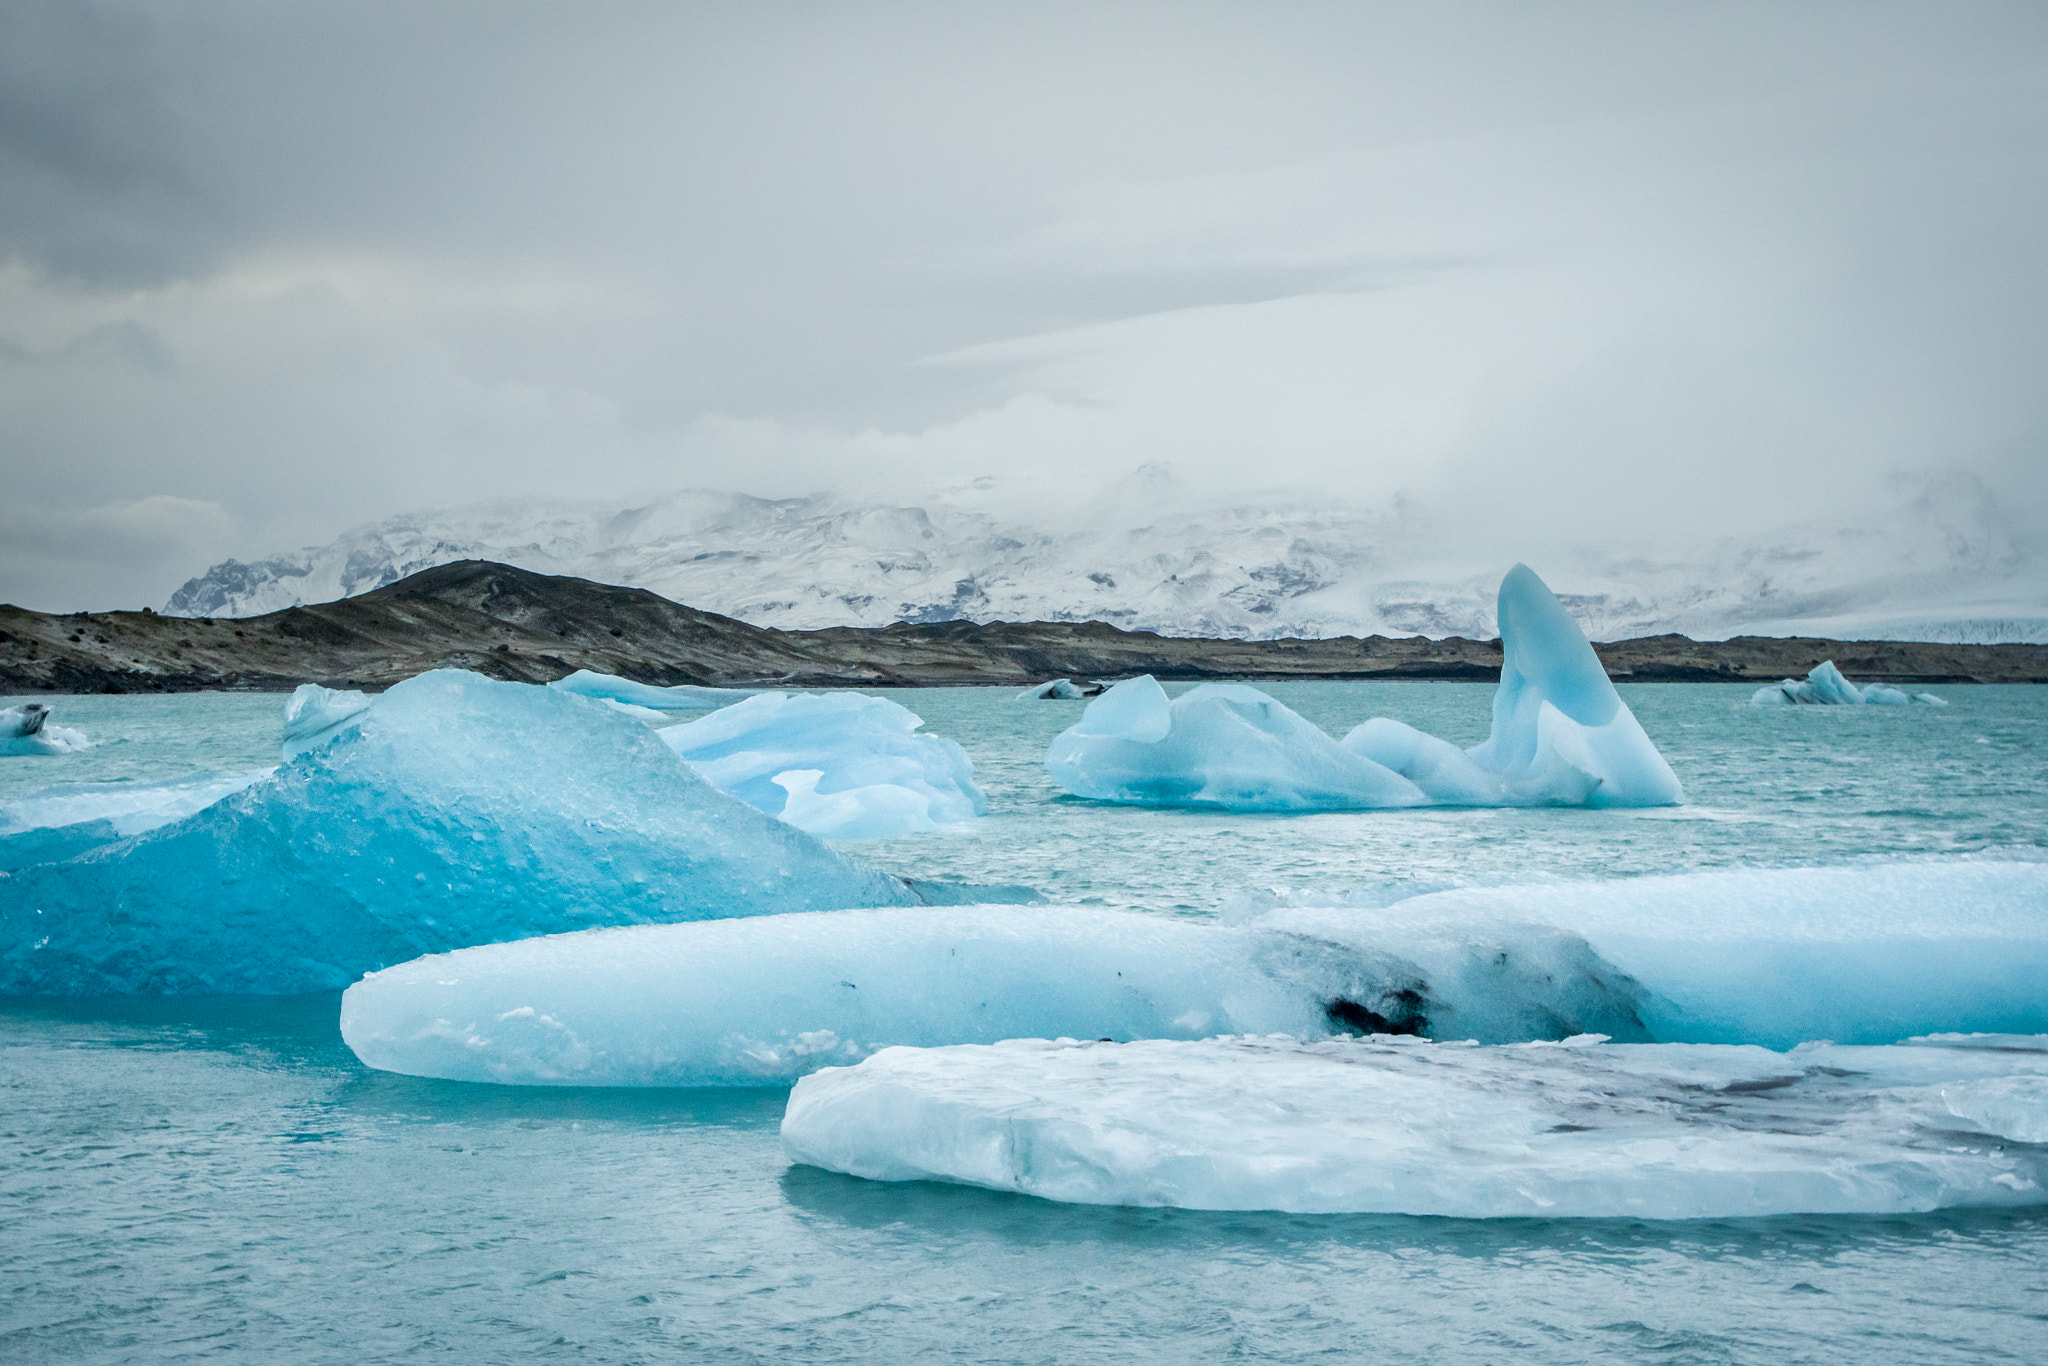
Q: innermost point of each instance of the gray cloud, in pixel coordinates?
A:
(1561, 272)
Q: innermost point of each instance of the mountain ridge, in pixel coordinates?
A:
(515, 624)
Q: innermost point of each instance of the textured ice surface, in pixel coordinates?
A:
(1561, 737)
(767, 999)
(1867, 954)
(26, 729)
(836, 764)
(456, 810)
(1825, 686)
(681, 697)
(1059, 689)
(1218, 745)
(1660, 1131)
(130, 808)
(314, 715)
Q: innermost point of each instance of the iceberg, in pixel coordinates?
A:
(1583, 1128)
(1561, 736)
(57, 822)
(454, 810)
(762, 1001)
(1861, 954)
(681, 697)
(1218, 745)
(839, 765)
(314, 715)
(1825, 686)
(1058, 690)
(26, 729)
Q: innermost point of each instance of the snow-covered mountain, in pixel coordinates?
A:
(1259, 569)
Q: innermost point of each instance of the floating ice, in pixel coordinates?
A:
(1867, 954)
(1580, 1130)
(1825, 686)
(314, 715)
(1059, 689)
(27, 730)
(456, 810)
(835, 764)
(1561, 736)
(764, 1000)
(681, 697)
(1218, 745)
(57, 822)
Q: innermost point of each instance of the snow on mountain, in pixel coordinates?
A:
(1279, 566)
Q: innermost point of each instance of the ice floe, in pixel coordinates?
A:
(836, 764)
(1861, 954)
(59, 821)
(1585, 1128)
(1825, 686)
(1058, 690)
(680, 697)
(454, 810)
(764, 1000)
(26, 729)
(1561, 736)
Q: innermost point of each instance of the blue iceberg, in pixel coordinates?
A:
(1561, 737)
(1824, 686)
(56, 822)
(839, 764)
(454, 810)
(681, 697)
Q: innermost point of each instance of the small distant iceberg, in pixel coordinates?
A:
(27, 730)
(1561, 737)
(840, 765)
(1824, 686)
(1582, 1128)
(681, 697)
(1058, 690)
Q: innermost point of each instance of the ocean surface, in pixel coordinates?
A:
(218, 1179)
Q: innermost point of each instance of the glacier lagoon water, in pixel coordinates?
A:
(220, 1179)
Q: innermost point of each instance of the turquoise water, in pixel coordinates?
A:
(192, 1179)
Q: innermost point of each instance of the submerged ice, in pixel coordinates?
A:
(1561, 736)
(1582, 1128)
(453, 810)
(836, 764)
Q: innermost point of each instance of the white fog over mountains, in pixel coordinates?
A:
(1150, 557)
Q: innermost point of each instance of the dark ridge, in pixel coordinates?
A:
(513, 624)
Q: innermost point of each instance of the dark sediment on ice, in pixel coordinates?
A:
(509, 623)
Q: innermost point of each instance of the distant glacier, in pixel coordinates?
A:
(1259, 569)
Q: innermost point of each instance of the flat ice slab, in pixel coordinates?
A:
(452, 810)
(1409, 1127)
(839, 764)
(764, 1000)
(1776, 956)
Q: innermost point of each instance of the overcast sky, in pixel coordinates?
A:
(271, 269)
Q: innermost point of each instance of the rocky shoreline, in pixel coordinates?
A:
(513, 624)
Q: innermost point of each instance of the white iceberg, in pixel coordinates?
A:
(1825, 686)
(1561, 736)
(1585, 1129)
(1058, 690)
(1218, 745)
(1864, 954)
(840, 764)
(455, 810)
(26, 729)
(764, 1000)
(680, 697)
